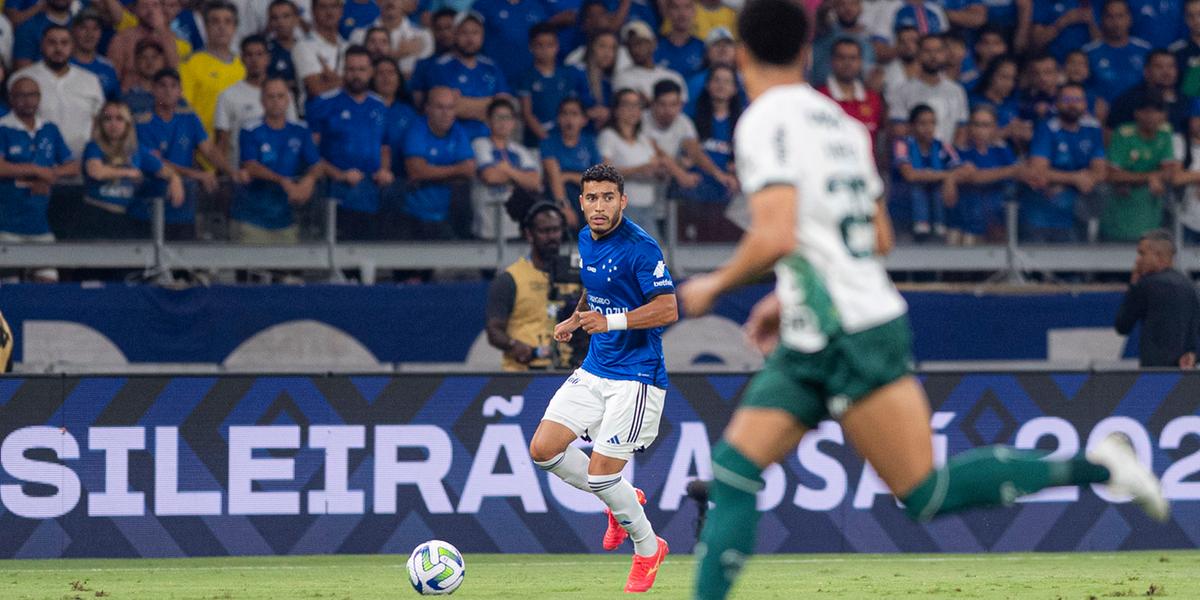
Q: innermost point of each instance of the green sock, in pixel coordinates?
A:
(995, 475)
(732, 523)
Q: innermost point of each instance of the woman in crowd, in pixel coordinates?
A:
(388, 84)
(599, 62)
(114, 168)
(624, 146)
(715, 115)
(997, 90)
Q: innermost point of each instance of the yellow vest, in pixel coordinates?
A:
(534, 316)
(6, 344)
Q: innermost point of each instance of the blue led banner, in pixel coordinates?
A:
(239, 465)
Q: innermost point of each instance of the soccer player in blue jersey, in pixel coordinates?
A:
(616, 397)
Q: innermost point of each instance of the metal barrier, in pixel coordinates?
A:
(1010, 262)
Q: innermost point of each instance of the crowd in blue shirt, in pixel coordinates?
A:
(369, 141)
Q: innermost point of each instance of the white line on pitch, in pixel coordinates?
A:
(758, 559)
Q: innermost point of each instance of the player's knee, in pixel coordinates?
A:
(541, 452)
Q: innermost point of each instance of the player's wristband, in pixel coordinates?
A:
(617, 322)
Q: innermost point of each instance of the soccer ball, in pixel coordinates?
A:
(436, 568)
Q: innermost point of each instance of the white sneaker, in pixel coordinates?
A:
(1129, 477)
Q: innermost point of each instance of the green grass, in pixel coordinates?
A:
(527, 577)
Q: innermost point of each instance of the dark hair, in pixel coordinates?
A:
(442, 13)
(1152, 100)
(1072, 53)
(917, 111)
(497, 104)
(212, 7)
(1070, 84)
(989, 74)
(1160, 236)
(355, 50)
(166, 73)
(933, 36)
(846, 41)
(905, 28)
(402, 94)
(774, 31)
(570, 100)
(253, 39)
(542, 29)
(1155, 53)
(1104, 7)
(666, 86)
(989, 29)
(55, 27)
(603, 172)
(531, 213)
(287, 3)
(704, 106)
(616, 101)
(87, 15)
(373, 30)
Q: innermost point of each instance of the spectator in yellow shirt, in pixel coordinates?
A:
(207, 73)
(710, 14)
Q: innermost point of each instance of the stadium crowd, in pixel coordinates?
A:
(420, 117)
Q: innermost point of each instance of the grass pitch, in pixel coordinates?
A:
(526, 577)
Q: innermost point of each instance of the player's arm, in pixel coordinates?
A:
(563, 331)
(660, 311)
(885, 236)
(770, 238)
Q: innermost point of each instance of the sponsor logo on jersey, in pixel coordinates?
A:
(660, 269)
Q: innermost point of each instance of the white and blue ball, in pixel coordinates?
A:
(436, 568)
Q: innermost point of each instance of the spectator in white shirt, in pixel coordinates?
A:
(71, 96)
(318, 57)
(409, 42)
(625, 146)
(643, 73)
(932, 88)
(241, 103)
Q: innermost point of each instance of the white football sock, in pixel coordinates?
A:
(621, 498)
(571, 466)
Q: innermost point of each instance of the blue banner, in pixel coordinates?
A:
(439, 323)
(254, 465)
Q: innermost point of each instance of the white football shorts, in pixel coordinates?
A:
(620, 417)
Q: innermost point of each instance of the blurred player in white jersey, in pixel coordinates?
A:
(616, 396)
(835, 327)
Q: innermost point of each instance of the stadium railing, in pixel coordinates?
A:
(1009, 262)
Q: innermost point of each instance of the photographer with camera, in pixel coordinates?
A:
(525, 300)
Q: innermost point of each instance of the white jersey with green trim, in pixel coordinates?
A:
(833, 281)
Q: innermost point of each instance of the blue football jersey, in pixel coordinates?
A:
(622, 271)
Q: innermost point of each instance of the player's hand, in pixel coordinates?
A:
(762, 327)
(383, 177)
(689, 179)
(301, 192)
(352, 177)
(698, 294)
(564, 330)
(593, 322)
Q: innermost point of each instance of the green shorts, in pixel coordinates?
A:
(813, 387)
